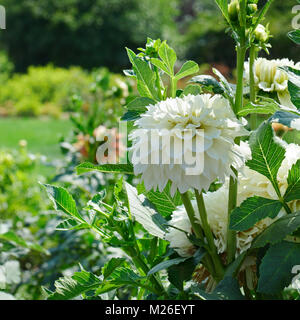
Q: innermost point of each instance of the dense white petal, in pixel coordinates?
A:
(211, 121)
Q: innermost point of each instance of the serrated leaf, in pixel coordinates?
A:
(63, 201)
(293, 85)
(163, 202)
(106, 168)
(137, 107)
(267, 155)
(144, 74)
(192, 89)
(209, 82)
(188, 68)
(253, 210)
(140, 104)
(276, 267)
(177, 274)
(68, 288)
(278, 230)
(71, 224)
(131, 115)
(267, 108)
(168, 56)
(111, 265)
(144, 213)
(226, 85)
(293, 190)
(11, 236)
(223, 5)
(289, 119)
(228, 289)
(166, 264)
(161, 65)
(295, 36)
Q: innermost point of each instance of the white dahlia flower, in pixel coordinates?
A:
(201, 130)
(250, 183)
(269, 78)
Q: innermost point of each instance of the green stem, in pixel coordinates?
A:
(158, 83)
(218, 266)
(232, 203)
(173, 87)
(253, 116)
(191, 214)
(241, 54)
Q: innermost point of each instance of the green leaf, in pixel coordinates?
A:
(168, 56)
(223, 5)
(131, 116)
(295, 36)
(140, 104)
(192, 89)
(226, 85)
(68, 288)
(188, 68)
(144, 213)
(71, 224)
(161, 65)
(106, 168)
(294, 85)
(268, 107)
(289, 119)
(166, 264)
(276, 267)
(278, 230)
(163, 202)
(178, 274)
(253, 210)
(144, 74)
(228, 289)
(11, 236)
(209, 83)
(111, 266)
(267, 155)
(137, 107)
(63, 201)
(293, 190)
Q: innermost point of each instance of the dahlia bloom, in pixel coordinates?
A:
(205, 124)
(269, 78)
(250, 183)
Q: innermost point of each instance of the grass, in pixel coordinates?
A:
(42, 135)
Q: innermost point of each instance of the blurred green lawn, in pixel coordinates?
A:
(42, 135)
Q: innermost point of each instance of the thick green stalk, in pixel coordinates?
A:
(191, 214)
(173, 87)
(207, 260)
(253, 116)
(241, 54)
(232, 202)
(218, 266)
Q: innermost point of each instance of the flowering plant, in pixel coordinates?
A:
(215, 213)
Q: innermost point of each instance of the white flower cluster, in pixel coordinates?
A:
(270, 78)
(209, 118)
(250, 183)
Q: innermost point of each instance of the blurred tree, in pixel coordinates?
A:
(89, 33)
(202, 38)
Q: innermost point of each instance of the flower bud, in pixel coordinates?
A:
(251, 8)
(261, 33)
(233, 10)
